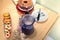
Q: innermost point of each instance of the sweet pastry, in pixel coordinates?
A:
(7, 24)
(7, 35)
(7, 20)
(6, 14)
(24, 5)
(8, 27)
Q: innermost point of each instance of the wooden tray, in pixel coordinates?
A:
(41, 29)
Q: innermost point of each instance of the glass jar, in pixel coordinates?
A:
(27, 24)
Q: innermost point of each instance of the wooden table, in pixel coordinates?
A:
(41, 29)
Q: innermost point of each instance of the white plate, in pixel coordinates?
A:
(43, 15)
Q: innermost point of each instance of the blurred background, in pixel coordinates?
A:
(55, 6)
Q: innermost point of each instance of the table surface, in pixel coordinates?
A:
(41, 29)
